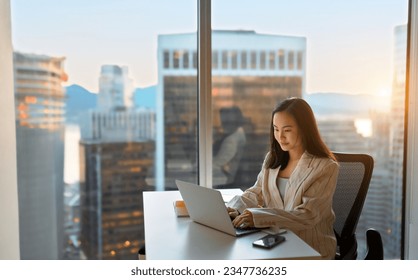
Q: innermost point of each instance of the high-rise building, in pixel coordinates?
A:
(377, 207)
(115, 87)
(117, 158)
(40, 111)
(397, 139)
(249, 70)
(72, 221)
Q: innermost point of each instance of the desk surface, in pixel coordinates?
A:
(168, 237)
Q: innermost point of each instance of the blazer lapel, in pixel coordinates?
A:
(275, 197)
(302, 170)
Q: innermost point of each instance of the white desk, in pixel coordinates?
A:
(168, 237)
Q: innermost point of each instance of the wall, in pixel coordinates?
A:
(9, 218)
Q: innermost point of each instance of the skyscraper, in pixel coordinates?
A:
(247, 69)
(40, 110)
(117, 157)
(397, 139)
(116, 88)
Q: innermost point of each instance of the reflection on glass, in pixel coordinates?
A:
(254, 91)
(177, 118)
(229, 148)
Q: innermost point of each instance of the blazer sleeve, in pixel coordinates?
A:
(315, 201)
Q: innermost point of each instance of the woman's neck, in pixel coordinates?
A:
(295, 155)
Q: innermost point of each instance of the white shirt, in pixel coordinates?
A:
(282, 182)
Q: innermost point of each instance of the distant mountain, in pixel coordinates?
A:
(81, 100)
(146, 97)
(78, 100)
(346, 104)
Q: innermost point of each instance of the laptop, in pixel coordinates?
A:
(207, 207)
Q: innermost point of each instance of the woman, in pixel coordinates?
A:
(296, 184)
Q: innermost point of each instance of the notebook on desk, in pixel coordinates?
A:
(207, 207)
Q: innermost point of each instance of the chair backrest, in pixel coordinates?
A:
(352, 186)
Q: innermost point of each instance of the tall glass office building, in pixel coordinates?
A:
(40, 110)
(397, 135)
(117, 157)
(247, 68)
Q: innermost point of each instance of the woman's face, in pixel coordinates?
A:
(286, 132)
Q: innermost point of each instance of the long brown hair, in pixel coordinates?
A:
(302, 113)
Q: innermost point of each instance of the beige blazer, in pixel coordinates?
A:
(306, 208)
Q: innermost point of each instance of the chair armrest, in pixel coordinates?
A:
(374, 245)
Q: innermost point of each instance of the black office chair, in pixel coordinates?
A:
(352, 186)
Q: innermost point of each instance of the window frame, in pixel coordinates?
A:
(204, 89)
(410, 178)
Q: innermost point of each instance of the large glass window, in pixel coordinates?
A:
(106, 108)
(347, 60)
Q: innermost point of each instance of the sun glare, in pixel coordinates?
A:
(383, 99)
(364, 127)
(384, 92)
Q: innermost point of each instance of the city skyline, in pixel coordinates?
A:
(348, 56)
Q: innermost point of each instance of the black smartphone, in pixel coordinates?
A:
(269, 241)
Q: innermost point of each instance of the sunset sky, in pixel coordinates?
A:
(349, 42)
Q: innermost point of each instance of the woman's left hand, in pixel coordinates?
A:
(244, 220)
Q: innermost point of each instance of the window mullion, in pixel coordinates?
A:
(204, 82)
(411, 137)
